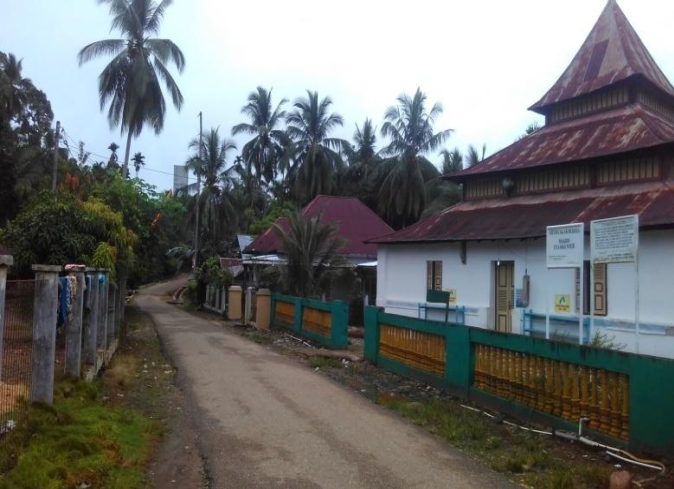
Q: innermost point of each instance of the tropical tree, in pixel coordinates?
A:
(474, 156)
(312, 253)
(409, 126)
(317, 154)
(362, 175)
(535, 126)
(217, 214)
(138, 162)
(132, 82)
(265, 150)
(452, 161)
(15, 96)
(114, 158)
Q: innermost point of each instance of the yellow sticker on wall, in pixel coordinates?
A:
(563, 303)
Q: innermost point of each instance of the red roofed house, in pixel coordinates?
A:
(356, 224)
(606, 150)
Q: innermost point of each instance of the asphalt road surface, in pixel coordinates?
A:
(266, 421)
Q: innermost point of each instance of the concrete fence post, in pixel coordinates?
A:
(74, 325)
(263, 313)
(112, 320)
(234, 312)
(6, 261)
(45, 306)
(248, 304)
(91, 317)
(102, 333)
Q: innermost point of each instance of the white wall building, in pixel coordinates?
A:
(606, 150)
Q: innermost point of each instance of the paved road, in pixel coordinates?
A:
(266, 421)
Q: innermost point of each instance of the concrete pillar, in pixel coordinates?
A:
(91, 318)
(74, 326)
(112, 319)
(248, 304)
(121, 302)
(6, 261)
(45, 306)
(102, 333)
(263, 313)
(234, 313)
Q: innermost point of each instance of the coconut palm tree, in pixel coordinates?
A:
(474, 156)
(452, 161)
(218, 215)
(363, 153)
(138, 162)
(16, 97)
(265, 150)
(409, 126)
(317, 154)
(312, 253)
(132, 82)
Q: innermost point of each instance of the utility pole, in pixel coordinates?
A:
(201, 148)
(56, 156)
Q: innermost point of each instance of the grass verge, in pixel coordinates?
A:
(505, 449)
(77, 442)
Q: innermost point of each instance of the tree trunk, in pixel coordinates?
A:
(125, 168)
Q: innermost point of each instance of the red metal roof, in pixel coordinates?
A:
(613, 52)
(355, 222)
(528, 216)
(615, 131)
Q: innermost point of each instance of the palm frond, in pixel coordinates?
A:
(110, 47)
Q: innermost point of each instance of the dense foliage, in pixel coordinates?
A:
(96, 217)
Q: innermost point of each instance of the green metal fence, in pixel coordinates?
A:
(323, 322)
(627, 398)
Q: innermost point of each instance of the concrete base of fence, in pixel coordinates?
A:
(111, 351)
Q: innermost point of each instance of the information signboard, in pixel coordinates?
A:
(565, 246)
(615, 240)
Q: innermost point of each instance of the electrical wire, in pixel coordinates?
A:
(145, 168)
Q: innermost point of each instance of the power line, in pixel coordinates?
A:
(146, 168)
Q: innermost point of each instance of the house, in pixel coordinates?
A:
(606, 150)
(355, 222)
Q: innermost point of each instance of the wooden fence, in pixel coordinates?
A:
(323, 322)
(623, 395)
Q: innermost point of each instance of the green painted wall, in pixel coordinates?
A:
(339, 311)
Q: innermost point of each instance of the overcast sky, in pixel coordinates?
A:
(485, 60)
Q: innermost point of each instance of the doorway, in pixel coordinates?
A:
(505, 295)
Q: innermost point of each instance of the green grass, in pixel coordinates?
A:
(323, 362)
(259, 338)
(77, 440)
(521, 454)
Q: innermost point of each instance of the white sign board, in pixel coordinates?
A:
(565, 246)
(615, 240)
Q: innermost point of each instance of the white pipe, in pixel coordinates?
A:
(641, 464)
(573, 437)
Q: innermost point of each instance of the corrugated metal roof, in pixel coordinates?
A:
(616, 131)
(528, 216)
(613, 52)
(356, 223)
